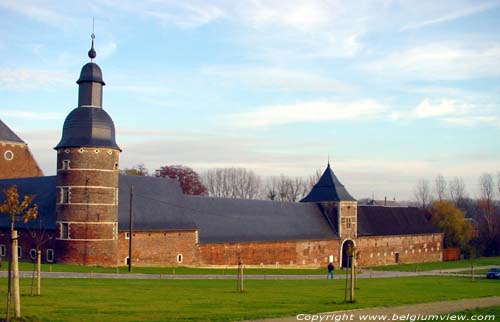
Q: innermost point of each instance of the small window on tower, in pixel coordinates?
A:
(179, 258)
(348, 222)
(64, 230)
(116, 166)
(2, 250)
(65, 195)
(65, 164)
(19, 251)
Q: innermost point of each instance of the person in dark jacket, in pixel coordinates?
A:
(330, 270)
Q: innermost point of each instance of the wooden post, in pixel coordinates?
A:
(241, 278)
(353, 277)
(346, 280)
(15, 276)
(38, 271)
(131, 228)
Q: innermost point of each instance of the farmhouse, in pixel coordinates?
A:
(85, 211)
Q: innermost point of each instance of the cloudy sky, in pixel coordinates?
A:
(393, 91)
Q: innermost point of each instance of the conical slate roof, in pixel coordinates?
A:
(6, 134)
(328, 188)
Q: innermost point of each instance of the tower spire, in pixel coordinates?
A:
(92, 53)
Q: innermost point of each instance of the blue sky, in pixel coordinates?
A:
(393, 91)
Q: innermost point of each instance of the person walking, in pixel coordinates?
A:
(330, 270)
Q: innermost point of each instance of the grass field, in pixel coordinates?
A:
(209, 300)
(420, 267)
(24, 266)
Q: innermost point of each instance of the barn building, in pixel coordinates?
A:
(85, 211)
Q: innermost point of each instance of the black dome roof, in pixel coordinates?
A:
(91, 72)
(88, 126)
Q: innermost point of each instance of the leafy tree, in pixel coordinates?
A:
(16, 210)
(451, 220)
(189, 180)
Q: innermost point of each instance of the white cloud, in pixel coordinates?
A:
(43, 14)
(457, 14)
(277, 79)
(28, 79)
(313, 111)
(439, 62)
(426, 108)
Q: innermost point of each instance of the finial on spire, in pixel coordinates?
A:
(92, 53)
(328, 160)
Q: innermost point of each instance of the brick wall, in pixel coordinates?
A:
(279, 253)
(159, 248)
(383, 250)
(22, 164)
(28, 241)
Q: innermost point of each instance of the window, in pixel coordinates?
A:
(65, 164)
(127, 260)
(50, 255)
(19, 252)
(116, 166)
(179, 258)
(65, 195)
(8, 155)
(2, 250)
(33, 253)
(127, 235)
(64, 230)
(348, 223)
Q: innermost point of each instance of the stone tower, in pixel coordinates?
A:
(87, 178)
(339, 207)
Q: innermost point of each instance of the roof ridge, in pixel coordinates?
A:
(6, 134)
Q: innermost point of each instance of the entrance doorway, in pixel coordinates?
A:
(396, 258)
(346, 250)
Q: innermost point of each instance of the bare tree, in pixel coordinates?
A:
(232, 183)
(313, 179)
(285, 188)
(456, 188)
(498, 184)
(422, 193)
(487, 188)
(137, 170)
(440, 186)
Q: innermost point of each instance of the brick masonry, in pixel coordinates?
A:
(22, 163)
(90, 212)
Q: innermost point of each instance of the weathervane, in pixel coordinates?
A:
(92, 52)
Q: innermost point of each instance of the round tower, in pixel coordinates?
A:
(87, 178)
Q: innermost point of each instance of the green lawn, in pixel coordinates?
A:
(420, 267)
(216, 300)
(24, 266)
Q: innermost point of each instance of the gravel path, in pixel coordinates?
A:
(395, 313)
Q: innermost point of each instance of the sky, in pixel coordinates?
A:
(391, 91)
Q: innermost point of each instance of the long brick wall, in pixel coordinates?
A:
(276, 254)
(387, 250)
(159, 248)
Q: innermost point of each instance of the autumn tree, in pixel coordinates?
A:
(137, 170)
(232, 183)
(188, 178)
(451, 221)
(422, 193)
(16, 211)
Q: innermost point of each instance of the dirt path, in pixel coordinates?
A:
(394, 313)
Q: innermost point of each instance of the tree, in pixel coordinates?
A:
(16, 210)
(457, 191)
(422, 193)
(285, 188)
(440, 185)
(189, 180)
(451, 220)
(137, 170)
(232, 183)
(487, 189)
(313, 179)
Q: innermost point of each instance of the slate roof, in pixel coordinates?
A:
(160, 205)
(45, 190)
(6, 134)
(328, 188)
(383, 221)
(88, 126)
